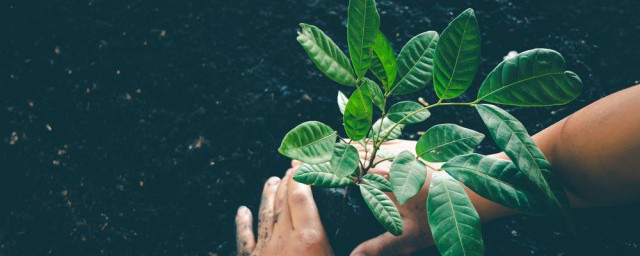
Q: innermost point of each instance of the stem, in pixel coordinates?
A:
(422, 109)
(382, 160)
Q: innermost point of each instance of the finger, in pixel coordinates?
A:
(387, 244)
(282, 217)
(304, 212)
(265, 226)
(244, 231)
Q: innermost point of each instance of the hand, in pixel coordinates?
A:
(416, 234)
(289, 222)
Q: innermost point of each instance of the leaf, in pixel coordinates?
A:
(382, 208)
(532, 78)
(377, 181)
(376, 93)
(445, 141)
(497, 180)
(389, 154)
(457, 56)
(415, 64)
(358, 114)
(320, 175)
(511, 136)
(455, 224)
(329, 59)
(404, 109)
(310, 142)
(363, 23)
(386, 128)
(342, 101)
(383, 62)
(407, 175)
(345, 160)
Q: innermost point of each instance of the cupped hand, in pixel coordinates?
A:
(289, 222)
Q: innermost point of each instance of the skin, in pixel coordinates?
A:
(593, 151)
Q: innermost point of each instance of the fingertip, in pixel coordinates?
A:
(243, 213)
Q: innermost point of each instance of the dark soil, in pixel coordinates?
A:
(138, 128)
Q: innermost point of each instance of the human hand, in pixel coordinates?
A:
(289, 223)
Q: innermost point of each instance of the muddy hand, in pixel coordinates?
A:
(289, 222)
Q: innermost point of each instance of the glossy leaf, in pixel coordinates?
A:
(377, 181)
(363, 24)
(383, 126)
(497, 180)
(326, 55)
(310, 142)
(403, 110)
(455, 224)
(376, 93)
(358, 114)
(415, 64)
(383, 63)
(445, 141)
(345, 160)
(382, 208)
(511, 136)
(320, 175)
(533, 78)
(457, 56)
(342, 101)
(407, 175)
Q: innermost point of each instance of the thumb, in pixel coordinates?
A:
(385, 244)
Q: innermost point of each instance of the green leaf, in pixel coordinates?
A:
(407, 175)
(320, 175)
(445, 141)
(310, 142)
(383, 126)
(377, 181)
(511, 136)
(382, 208)
(404, 109)
(389, 154)
(383, 63)
(345, 160)
(358, 114)
(329, 59)
(342, 101)
(415, 63)
(376, 93)
(363, 24)
(457, 56)
(455, 224)
(497, 180)
(531, 79)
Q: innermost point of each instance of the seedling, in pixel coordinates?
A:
(449, 61)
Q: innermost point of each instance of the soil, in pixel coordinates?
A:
(138, 128)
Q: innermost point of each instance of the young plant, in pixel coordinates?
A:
(449, 61)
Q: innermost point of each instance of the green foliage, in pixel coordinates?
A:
(358, 114)
(497, 180)
(383, 63)
(455, 224)
(377, 181)
(320, 175)
(415, 64)
(445, 141)
(408, 112)
(382, 208)
(326, 55)
(362, 28)
(407, 175)
(457, 56)
(450, 61)
(531, 79)
(385, 126)
(345, 160)
(310, 142)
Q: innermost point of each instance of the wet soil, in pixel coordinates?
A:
(138, 128)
